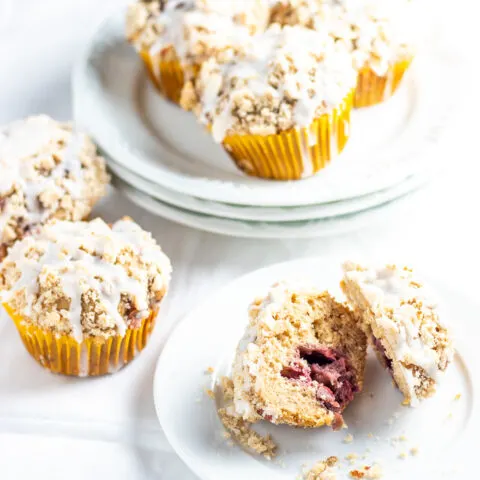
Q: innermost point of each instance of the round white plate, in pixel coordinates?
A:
(115, 103)
(251, 229)
(267, 214)
(443, 429)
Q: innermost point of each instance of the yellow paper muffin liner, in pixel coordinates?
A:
(373, 89)
(167, 75)
(94, 356)
(296, 153)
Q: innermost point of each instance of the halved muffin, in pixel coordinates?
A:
(301, 360)
(400, 315)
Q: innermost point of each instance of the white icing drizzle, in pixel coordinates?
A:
(22, 144)
(63, 245)
(393, 288)
(318, 76)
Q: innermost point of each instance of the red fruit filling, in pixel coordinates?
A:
(332, 372)
(381, 349)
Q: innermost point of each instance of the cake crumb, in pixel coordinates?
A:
(402, 438)
(210, 393)
(209, 370)
(323, 470)
(348, 438)
(414, 451)
(458, 396)
(246, 437)
(370, 435)
(227, 389)
(368, 472)
(402, 456)
(352, 458)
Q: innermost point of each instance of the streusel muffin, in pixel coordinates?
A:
(174, 37)
(84, 296)
(283, 111)
(48, 171)
(400, 315)
(301, 360)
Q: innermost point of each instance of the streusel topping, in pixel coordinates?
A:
(378, 33)
(85, 278)
(195, 30)
(288, 77)
(48, 171)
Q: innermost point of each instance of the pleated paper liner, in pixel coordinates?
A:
(296, 153)
(167, 75)
(372, 89)
(93, 357)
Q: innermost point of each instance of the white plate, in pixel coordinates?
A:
(267, 214)
(114, 101)
(251, 229)
(443, 430)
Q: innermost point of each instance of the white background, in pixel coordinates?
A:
(52, 427)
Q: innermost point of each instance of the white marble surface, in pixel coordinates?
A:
(106, 428)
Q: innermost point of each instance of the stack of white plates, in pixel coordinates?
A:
(164, 161)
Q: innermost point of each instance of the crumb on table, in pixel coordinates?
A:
(210, 393)
(348, 438)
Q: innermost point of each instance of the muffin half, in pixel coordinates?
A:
(84, 296)
(401, 317)
(49, 171)
(301, 360)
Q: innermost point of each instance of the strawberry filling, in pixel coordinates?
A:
(331, 372)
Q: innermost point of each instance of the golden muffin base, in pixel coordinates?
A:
(167, 75)
(296, 153)
(372, 89)
(93, 357)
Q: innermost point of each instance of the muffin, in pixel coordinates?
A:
(84, 296)
(381, 36)
(174, 37)
(283, 110)
(48, 171)
(400, 315)
(301, 361)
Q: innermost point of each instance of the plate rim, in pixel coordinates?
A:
(264, 230)
(320, 211)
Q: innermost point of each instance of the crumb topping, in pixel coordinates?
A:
(367, 472)
(240, 430)
(288, 77)
(378, 33)
(195, 30)
(323, 470)
(48, 171)
(85, 278)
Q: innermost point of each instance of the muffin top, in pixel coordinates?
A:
(85, 279)
(48, 171)
(195, 30)
(288, 77)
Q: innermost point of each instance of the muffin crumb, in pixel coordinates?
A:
(323, 470)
